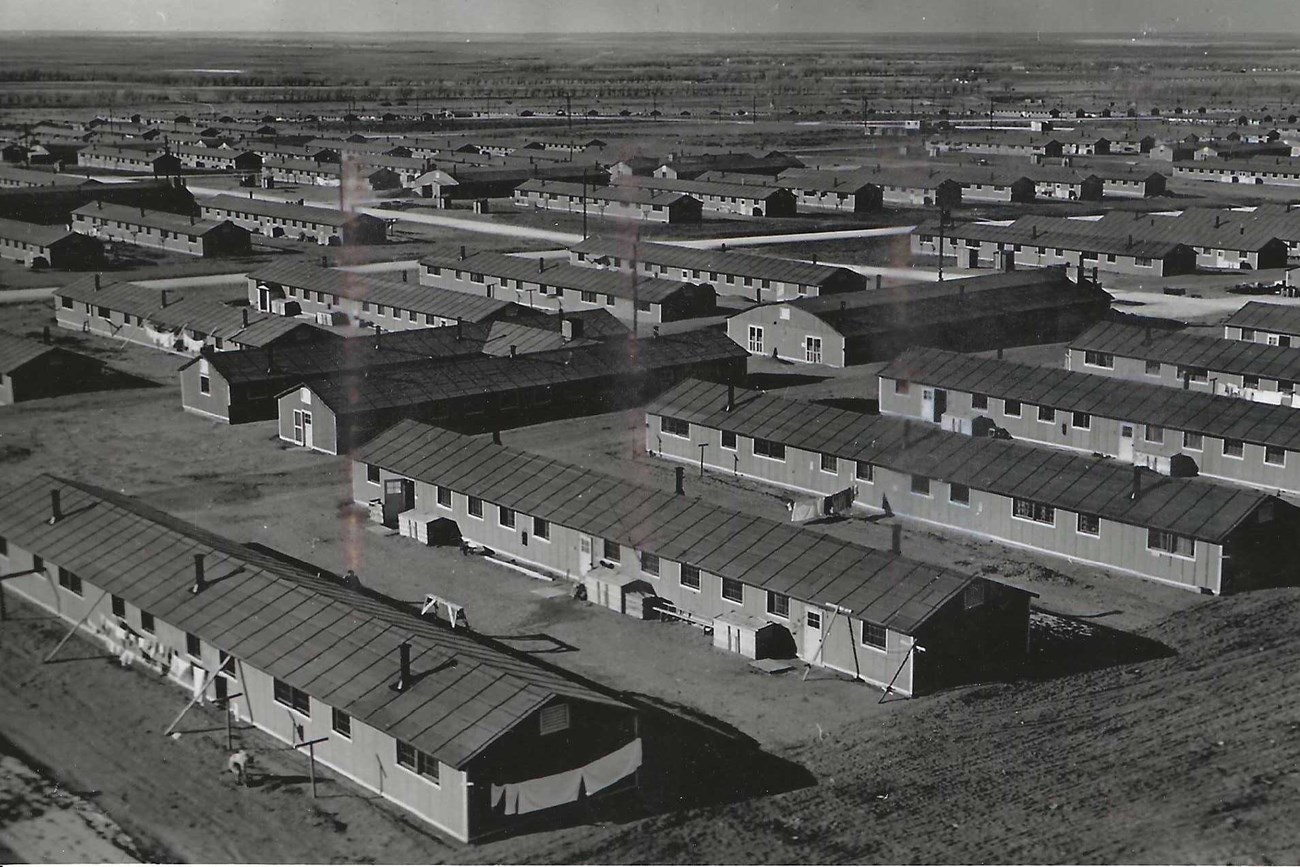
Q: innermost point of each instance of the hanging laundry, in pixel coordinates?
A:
(805, 509)
(839, 502)
(608, 770)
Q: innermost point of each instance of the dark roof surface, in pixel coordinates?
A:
(877, 586)
(445, 303)
(720, 261)
(17, 351)
(1073, 391)
(1191, 350)
(296, 625)
(562, 274)
(33, 233)
(166, 220)
(280, 210)
(1282, 318)
(1189, 507)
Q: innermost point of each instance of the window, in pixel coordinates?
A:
(146, 622)
(902, 386)
(874, 635)
(118, 606)
(921, 485)
(1088, 525)
(476, 507)
(1030, 511)
(542, 529)
(1154, 434)
(959, 494)
(291, 697)
(1011, 408)
(830, 463)
(733, 590)
(675, 427)
(553, 719)
(1082, 420)
(979, 401)
(612, 552)
(417, 762)
(372, 473)
(1234, 448)
(1142, 261)
(506, 517)
(193, 646)
(690, 577)
(812, 349)
(1275, 455)
(1195, 374)
(341, 723)
(778, 604)
(1171, 543)
(588, 297)
(1047, 414)
(1153, 368)
(205, 381)
(69, 581)
(756, 339)
(443, 496)
(1250, 382)
(768, 449)
(65, 303)
(728, 440)
(864, 471)
(1247, 334)
(649, 563)
(1193, 441)
(973, 597)
(1092, 358)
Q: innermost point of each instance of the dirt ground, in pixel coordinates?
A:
(1151, 725)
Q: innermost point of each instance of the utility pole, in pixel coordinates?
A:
(568, 114)
(943, 222)
(584, 204)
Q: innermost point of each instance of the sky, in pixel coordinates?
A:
(685, 16)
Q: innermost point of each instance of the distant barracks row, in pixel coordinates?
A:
(1185, 532)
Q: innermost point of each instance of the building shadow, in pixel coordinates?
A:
(1062, 645)
(766, 381)
(865, 405)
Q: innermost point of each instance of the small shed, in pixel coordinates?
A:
(427, 529)
(611, 589)
(749, 635)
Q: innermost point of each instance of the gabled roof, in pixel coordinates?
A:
(733, 187)
(714, 261)
(880, 587)
(165, 220)
(121, 296)
(1188, 507)
(818, 180)
(17, 351)
(1193, 351)
(33, 233)
(281, 210)
(1064, 234)
(562, 274)
(610, 194)
(1174, 409)
(443, 303)
(1281, 318)
(921, 305)
(415, 386)
(290, 620)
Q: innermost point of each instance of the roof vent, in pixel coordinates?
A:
(56, 507)
(200, 583)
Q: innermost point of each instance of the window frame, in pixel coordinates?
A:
(541, 529)
(953, 488)
(1034, 509)
(1240, 449)
(777, 449)
(925, 490)
(1085, 517)
(733, 583)
(672, 427)
(777, 601)
(419, 764)
(294, 694)
(830, 464)
(1007, 403)
(345, 731)
(689, 576)
(869, 630)
(474, 506)
(70, 581)
(649, 563)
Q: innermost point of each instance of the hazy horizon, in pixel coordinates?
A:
(401, 18)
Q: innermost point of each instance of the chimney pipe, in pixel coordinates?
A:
(1137, 483)
(462, 251)
(896, 539)
(163, 295)
(45, 335)
(680, 474)
(731, 396)
(379, 337)
(200, 583)
(1187, 380)
(324, 261)
(404, 661)
(244, 311)
(405, 277)
(999, 353)
(56, 506)
(541, 264)
(96, 282)
(496, 437)
(512, 350)
(458, 328)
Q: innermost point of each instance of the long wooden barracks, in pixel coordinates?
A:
(1169, 430)
(450, 727)
(1181, 531)
(727, 272)
(1236, 368)
(974, 313)
(763, 586)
